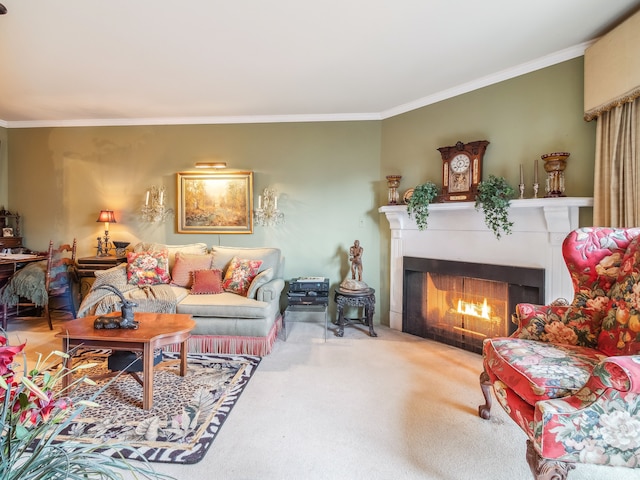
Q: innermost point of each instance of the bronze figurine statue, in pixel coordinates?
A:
(355, 257)
(125, 320)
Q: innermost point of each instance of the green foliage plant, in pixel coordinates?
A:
(34, 410)
(418, 204)
(493, 198)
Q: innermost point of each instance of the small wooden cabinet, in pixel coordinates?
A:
(9, 230)
(87, 267)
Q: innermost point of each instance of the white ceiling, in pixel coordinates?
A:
(110, 62)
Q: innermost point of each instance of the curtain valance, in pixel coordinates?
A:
(612, 69)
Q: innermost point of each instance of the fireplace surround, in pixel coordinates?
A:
(456, 232)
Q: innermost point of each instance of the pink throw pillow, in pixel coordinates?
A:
(185, 265)
(240, 274)
(148, 268)
(207, 282)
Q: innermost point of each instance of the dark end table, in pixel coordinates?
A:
(356, 298)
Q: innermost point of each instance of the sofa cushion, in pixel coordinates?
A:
(148, 268)
(539, 370)
(184, 266)
(270, 257)
(223, 305)
(195, 248)
(239, 274)
(206, 282)
(263, 277)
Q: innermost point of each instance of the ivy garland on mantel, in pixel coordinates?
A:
(418, 204)
(493, 198)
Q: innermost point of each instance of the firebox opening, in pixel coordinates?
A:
(463, 303)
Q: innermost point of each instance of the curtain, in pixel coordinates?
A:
(616, 196)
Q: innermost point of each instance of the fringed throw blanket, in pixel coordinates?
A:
(149, 298)
(26, 283)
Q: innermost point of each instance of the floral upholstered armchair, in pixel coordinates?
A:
(570, 374)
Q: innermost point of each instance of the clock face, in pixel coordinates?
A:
(460, 163)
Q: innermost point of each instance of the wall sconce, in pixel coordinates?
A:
(104, 245)
(267, 213)
(153, 210)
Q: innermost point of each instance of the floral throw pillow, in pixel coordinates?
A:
(148, 268)
(207, 282)
(239, 275)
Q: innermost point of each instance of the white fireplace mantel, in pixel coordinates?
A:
(456, 231)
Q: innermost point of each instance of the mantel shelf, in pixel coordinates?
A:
(516, 203)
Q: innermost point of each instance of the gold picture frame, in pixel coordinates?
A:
(212, 202)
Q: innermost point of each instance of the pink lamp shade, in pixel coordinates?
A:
(107, 217)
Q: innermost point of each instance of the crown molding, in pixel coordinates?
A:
(522, 69)
(117, 122)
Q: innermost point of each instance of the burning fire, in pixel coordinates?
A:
(480, 310)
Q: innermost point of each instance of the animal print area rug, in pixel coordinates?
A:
(187, 411)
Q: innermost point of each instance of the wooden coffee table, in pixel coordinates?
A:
(155, 330)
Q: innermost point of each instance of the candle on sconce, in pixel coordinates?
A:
(275, 202)
(535, 171)
(260, 201)
(146, 202)
(161, 197)
(521, 175)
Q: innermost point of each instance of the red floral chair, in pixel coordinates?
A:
(570, 374)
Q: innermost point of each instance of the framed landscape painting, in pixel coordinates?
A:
(211, 202)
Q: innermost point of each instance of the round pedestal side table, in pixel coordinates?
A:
(356, 298)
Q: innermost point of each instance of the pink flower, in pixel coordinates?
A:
(6, 355)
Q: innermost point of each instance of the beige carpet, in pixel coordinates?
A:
(393, 407)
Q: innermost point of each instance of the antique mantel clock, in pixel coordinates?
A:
(462, 170)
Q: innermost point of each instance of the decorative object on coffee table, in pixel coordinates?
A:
(554, 165)
(124, 320)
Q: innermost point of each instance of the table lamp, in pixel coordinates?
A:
(107, 217)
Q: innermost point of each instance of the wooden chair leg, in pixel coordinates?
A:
(47, 314)
(544, 469)
(484, 411)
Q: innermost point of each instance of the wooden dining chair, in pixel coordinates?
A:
(61, 279)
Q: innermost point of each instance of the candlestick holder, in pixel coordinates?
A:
(536, 186)
(521, 188)
(393, 182)
(554, 165)
(267, 213)
(154, 209)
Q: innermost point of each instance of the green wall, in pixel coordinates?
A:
(330, 176)
(522, 118)
(326, 174)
